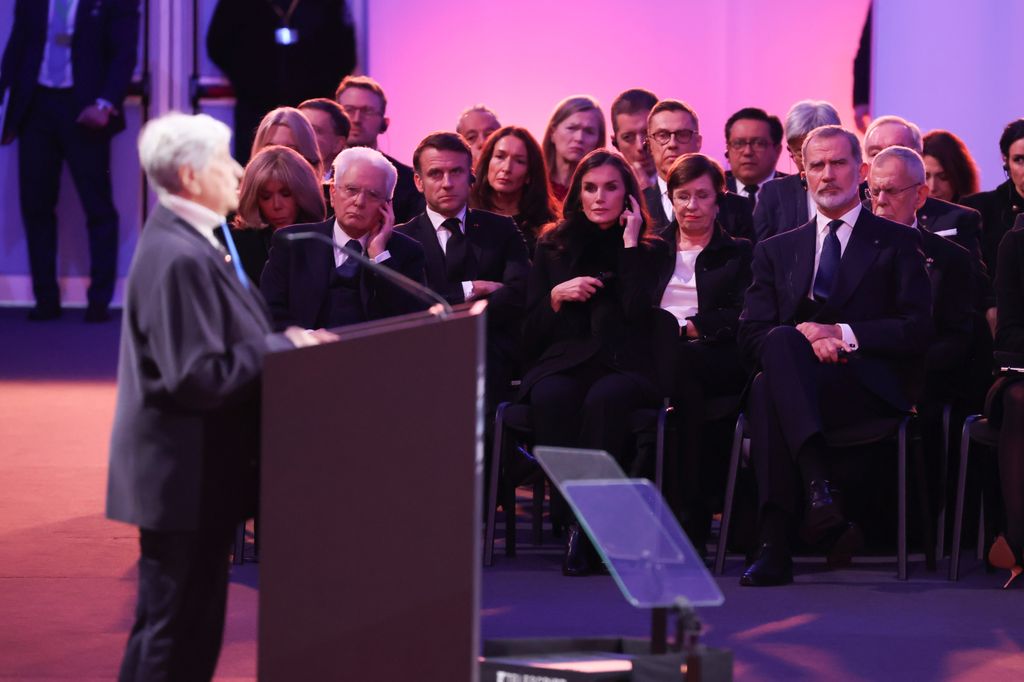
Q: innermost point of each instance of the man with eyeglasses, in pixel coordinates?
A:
(672, 131)
(308, 284)
(364, 101)
(837, 319)
(629, 133)
(470, 254)
(753, 143)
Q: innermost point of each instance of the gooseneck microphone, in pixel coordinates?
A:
(411, 286)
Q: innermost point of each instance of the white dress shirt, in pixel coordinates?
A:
(843, 234)
(743, 192)
(198, 216)
(67, 81)
(680, 297)
(443, 235)
(341, 238)
(666, 201)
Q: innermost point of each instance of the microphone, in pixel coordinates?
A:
(398, 279)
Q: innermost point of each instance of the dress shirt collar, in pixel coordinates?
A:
(198, 216)
(741, 188)
(436, 219)
(849, 218)
(662, 186)
(342, 237)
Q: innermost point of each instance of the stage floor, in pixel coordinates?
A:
(67, 575)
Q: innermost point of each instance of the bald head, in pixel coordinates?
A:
(891, 131)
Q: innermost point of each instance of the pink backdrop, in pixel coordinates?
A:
(434, 59)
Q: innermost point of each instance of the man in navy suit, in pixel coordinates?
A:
(470, 254)
(307, 283)
(67, 67)
(185, 440)
(837, 317)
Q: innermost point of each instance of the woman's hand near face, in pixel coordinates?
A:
(577, 289)
(633, 222)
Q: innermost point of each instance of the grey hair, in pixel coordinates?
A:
(915, 132)
(808, 114)
(177, 140)
(476, 108)
(911, 160)
(829, 131)
(353, 155)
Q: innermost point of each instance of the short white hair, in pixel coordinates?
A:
(808, 114)
(177, 140)
(353, 155)
(915, 132)
(911, 160)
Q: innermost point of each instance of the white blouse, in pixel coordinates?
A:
(680, 297)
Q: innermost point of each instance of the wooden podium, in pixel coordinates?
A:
(370, 503)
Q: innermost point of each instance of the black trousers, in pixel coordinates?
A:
(794, 399)
(49, 137)
(179, 618)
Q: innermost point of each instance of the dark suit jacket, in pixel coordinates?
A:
(734, 213)
(498, 255)
(407, 202)
(723, 275)
(950, 273)
(999, 208)
(1010, 292)
(781, 206)
(957, 223)
(186, 428)
(881, 290)
(297, 277)
(730, 181)
(103, 51)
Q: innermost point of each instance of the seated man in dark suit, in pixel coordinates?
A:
(307, 283)
(784, 204)
(672, 130)
(364, 101)
(470, 254)
(753, 143)
(838, 312)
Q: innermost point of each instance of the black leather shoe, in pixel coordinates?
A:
(848, 540)
(97, 313)
(577, 560)
(773, 566)
(42, 312)
(823, 513)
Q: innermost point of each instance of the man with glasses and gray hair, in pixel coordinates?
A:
(672, 131)
(784, 204)
(309, 284)
(185, 440)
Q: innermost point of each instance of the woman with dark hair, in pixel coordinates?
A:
(1005, 403)
(1000, 207)
(699, 274)
(512, 180)
(286, 126)
(587, 350)
(575, 129)
(949, 170)
(278, 189)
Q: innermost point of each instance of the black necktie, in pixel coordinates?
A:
(751, 191)
(350, 267)
(828, 264)
(455, 251)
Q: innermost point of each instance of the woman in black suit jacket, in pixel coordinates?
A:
(1005, 403)
(699, 274)
(1000, 207)
(590, 367)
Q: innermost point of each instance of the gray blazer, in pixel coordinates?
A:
(185, 441)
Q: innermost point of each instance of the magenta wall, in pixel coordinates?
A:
(520, 58)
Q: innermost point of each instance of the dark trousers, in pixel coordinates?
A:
(49, 137)
(179, 619)
(794, 399)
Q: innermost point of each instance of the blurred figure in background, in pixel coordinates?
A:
(753, 144)
(949, 169)
(331, 126)
(575, 129)
(286, 126)
(629, 132)
(475, 125)
(1001, 206)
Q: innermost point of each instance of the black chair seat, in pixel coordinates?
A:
(982, 432)
(518, 418)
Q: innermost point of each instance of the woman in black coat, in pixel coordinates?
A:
(699, 274)
(1005, 404)
(1000, 207)
(588, 355)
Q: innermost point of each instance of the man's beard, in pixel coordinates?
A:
(835, 200)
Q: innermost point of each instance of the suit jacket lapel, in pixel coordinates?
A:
(861, 252)
(667, 265)
(800, 201)
(427, 237)
(801, 264)
(476, 236)
(317, 276)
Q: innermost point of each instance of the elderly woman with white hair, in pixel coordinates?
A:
(783, 204)
(308, 283)
(186, 426)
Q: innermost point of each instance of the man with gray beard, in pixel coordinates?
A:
(837, 319)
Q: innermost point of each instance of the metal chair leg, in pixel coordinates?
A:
(961, 489)
(940, 531)
(659, 450)
(901, 482)
(730, 489)
(492, 485)
(238, 556)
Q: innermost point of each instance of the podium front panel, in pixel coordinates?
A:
(370, 499)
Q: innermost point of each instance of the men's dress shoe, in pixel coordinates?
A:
(773, 566)
(823, 513)
(849, 539)
(577, 560)
(97, 313)
(44, 311)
